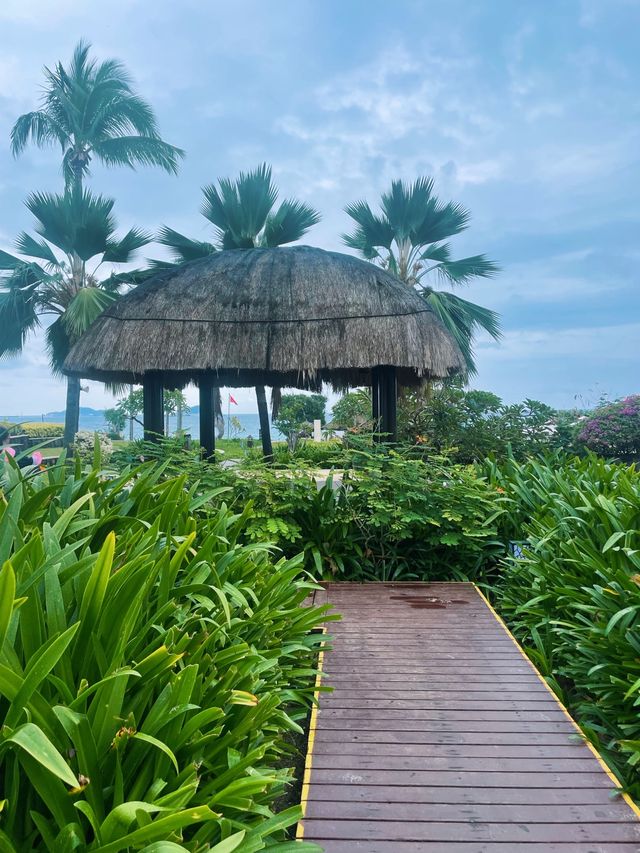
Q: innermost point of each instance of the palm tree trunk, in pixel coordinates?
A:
(72, 411)
(179, 417)
(265, 429)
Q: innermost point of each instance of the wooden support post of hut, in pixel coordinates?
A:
(206, 385)
(384, 396)
(294, 317)
(153, 406)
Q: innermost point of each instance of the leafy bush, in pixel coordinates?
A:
(321, 454)
(84, 445)
(396, 515)
(151, 667)
(420, 518)
(471, 425)
(613, 430)
(353, 411)
(33, 433)
(573, 598)
(38, 429)
(296, 414)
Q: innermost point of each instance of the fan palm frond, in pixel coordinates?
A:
(463, 319)
(121, 251)
(465, 270)
(87, 304)
(183, 248)
(290, 222)
(58, 344)
(18, 309)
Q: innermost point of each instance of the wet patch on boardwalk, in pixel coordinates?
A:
(440, 736)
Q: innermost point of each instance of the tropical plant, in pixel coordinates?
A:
(297, 412)
(131, 407)
(153, 667)
(409, 239)
(52, 279)
(84, 445)
(469, 425)
(172, 403)
(572, 598)
(352, 411)
(243, 214)
(115, 420)
(91, 110)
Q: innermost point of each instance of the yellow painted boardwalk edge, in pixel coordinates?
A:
(308, 761)
(634, 808)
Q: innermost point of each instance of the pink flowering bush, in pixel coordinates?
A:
(614, 430)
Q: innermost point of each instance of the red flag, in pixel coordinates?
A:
(232, 400)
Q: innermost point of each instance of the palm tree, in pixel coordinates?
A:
(91, 110)
(242, 212)
(408, 238)
(52, 278)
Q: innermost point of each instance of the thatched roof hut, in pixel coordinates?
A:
(293, 317)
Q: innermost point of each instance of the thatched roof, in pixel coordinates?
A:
(287, 316)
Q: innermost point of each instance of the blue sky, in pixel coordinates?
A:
(526, 112)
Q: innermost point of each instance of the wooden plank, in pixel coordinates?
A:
(512, 833)
(428, 696)
(341, 747)
(347, 738)
(407, 793)
(452, 778)
(461, 812)
(438, 735)
(370, 846)
(583, 762)
(392, 713)
(446, 724)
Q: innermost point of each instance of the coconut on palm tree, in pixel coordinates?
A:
(57, 276)
(244, 215)
(91, 110)
(409, 238)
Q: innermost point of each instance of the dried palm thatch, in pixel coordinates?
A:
(292, 317)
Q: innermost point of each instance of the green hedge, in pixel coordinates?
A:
(395, 516)
(152, 667)
(36, 429)
(573, 599)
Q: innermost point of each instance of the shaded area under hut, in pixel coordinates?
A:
(284, 317)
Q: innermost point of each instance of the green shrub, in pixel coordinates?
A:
(151, 666)
(573, 599)
(84, 445)
(321, 454)
(420, 518)
(35, 429)
(470, 425)
(395, 515)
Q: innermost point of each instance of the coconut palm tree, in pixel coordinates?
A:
(408, 237)
(243, 215)
(91, 110)
(53, 279)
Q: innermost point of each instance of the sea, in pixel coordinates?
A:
(93, 421)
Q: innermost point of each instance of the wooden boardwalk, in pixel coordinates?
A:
(440, 736)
